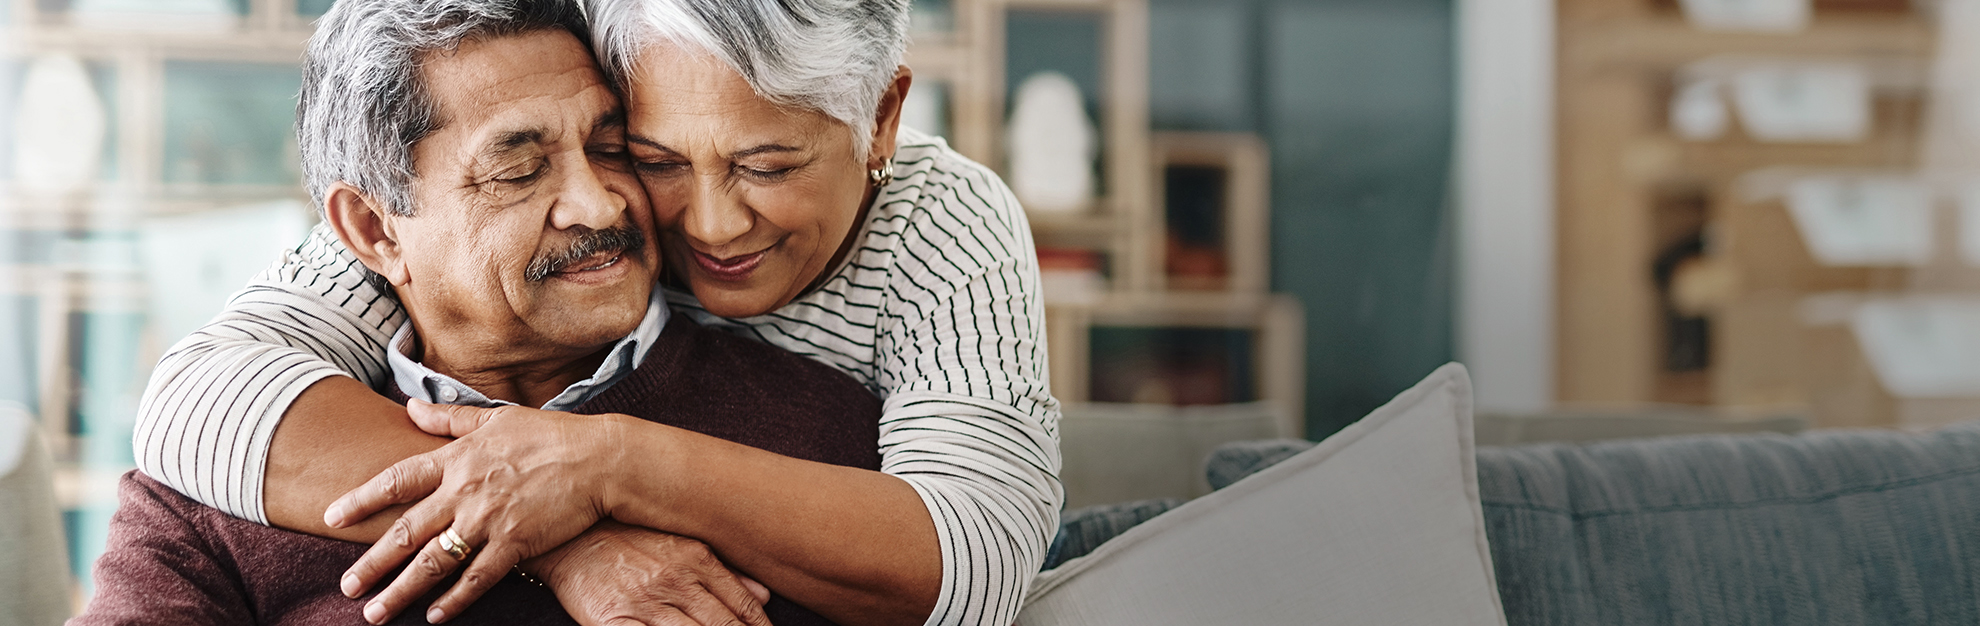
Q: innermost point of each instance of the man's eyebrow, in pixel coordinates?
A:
(510, 142)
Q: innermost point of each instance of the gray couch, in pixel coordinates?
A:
(1828, 527)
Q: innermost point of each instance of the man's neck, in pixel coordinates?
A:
(495, 371)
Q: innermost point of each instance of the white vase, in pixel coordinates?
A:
(59, 127)
(1052, 146)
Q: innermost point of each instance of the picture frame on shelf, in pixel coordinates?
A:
(1214, 204)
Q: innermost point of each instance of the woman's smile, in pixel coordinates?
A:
(733, 269)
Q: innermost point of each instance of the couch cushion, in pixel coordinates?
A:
(1122, 452)
(1836, 527)
(1378, 524)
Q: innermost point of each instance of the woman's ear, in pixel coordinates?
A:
(887, 118)
(366, 229)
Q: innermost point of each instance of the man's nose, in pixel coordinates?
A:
(585, 201)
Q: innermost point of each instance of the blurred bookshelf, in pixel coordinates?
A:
(1157, 292)
(1174, 248)
(1683, 276)
(196, 110)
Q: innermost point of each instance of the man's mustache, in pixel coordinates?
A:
(623, 239)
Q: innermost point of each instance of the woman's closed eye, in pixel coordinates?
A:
(765, 173)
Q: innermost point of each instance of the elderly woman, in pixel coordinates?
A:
(793, 210)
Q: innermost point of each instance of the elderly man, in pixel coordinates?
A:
(518, 243)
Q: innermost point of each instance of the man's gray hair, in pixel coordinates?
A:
(835, 57)
(364, 100)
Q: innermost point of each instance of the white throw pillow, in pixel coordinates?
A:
(1379, 524)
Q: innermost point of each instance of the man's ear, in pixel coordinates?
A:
(366, 229)
(887, 118)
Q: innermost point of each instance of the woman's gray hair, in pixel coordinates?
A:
(835, 57)
(364, 101)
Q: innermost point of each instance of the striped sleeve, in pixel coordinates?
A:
(970, 421)
(211, 407)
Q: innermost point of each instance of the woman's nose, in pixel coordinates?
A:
(715, 216)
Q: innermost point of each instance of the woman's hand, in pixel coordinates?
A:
(615, 575)
(521, 484)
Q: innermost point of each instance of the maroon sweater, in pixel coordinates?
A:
(171, 560)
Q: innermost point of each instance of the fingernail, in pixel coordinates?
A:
(374, 613)
(334, 516)
(435, 615)
(350, 586)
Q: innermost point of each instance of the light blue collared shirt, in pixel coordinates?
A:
(417, 381)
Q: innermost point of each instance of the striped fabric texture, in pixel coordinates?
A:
(936, 310)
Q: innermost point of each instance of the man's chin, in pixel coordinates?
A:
(583, 324)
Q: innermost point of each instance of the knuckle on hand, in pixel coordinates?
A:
(427, 566)
(394, 486)
(402, 532)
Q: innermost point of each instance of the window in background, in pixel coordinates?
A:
(927, 107)
(19, 382)
(104, 342)
(1355, 100)
(230, 123)
(929, 16)
(1201, 71)
(313, 8)
(47, 7)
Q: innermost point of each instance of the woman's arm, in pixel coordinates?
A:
(951, 532)
(340, 433)
(970, 419)
(258, 414)
(210, 412)
(856, 546)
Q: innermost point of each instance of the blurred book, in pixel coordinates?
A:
(1748, 15)
(1804, 102)
(1923, 347)
(1071, 276)
(1866, 221)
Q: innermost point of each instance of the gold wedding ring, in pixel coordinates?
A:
(452, 543)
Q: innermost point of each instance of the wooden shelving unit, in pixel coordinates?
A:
(1630, 190)
(1127, 224)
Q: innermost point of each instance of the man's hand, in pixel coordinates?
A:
(618, 575)
(520, 485)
